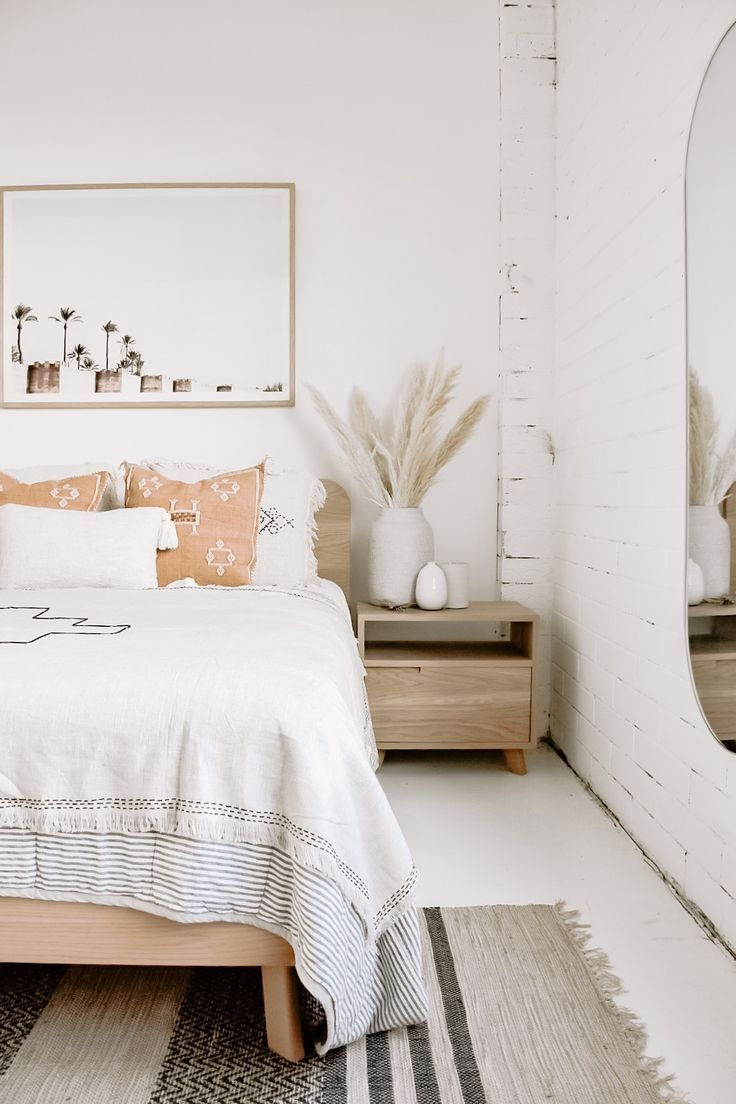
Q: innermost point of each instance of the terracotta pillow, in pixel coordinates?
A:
(75, 492)
(216, 521)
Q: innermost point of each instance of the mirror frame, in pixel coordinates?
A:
(686, 616)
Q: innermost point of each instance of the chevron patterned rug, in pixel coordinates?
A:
(520, 1013)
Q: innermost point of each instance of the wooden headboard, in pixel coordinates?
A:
(332, 546)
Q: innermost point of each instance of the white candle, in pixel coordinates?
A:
(457, 585)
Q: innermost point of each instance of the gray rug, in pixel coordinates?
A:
(520, 1013)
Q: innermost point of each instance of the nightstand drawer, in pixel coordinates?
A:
(450, 707)
(715, 681)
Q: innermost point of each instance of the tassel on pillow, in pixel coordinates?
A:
(168, 537)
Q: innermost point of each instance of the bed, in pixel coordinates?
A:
(287, 867)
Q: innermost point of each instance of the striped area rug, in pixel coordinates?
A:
(520, 1013)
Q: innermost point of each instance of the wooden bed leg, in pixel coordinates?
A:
(281, 1004)
(515, 760)
(381, 757)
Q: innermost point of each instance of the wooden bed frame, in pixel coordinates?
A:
(69, 932)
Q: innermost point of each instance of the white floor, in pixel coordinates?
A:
(482, 836)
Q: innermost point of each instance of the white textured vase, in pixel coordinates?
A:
(695, 584)
(401, 542)
(431, 589)
(709, 544)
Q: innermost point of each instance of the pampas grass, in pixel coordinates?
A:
(397, 465)
(712, 473)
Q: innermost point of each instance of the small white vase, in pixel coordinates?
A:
(695, 584)
(431, 587)
(401, 541)
(709, 544)
(457, 585)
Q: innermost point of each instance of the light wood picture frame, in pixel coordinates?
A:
(147, 295)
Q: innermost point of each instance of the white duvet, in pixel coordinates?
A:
(236, 716)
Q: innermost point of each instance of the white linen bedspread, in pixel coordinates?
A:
(230, 715)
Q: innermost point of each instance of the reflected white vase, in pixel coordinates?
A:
(431, 589)
(401, 542)
(695, 584)
(709, 545)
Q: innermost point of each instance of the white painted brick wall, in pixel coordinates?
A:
(623, 708)
(526, 314)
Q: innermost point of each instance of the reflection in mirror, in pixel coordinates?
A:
(711, 317)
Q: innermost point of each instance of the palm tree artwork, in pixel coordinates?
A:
(65, 316)
(79, 353)
(136, 362)
(138, 368)
(20, 316)
(109, 328)
(127, 359)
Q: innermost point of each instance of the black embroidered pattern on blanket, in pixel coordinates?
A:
(211, 808)
(29, 624)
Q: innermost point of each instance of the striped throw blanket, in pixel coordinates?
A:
(204, 755)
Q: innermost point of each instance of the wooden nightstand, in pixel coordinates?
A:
(713, 660)
(452, 694)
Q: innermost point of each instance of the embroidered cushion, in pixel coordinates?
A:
(42, 548)
(114, 495)
(216, 520)
(73, 492)
(286, 526)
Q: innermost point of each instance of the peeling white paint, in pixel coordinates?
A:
(526, 315)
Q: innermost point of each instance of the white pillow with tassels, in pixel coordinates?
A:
(51, 549)
(287, 528)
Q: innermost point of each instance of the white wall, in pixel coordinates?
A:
(385, 116)
(624, 708)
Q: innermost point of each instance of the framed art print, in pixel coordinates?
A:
(148, 295)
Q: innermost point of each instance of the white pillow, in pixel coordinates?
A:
(114, 496)
(47, 549)
(286, 529)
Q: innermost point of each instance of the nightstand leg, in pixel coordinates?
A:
(515, 760)
(381, 757)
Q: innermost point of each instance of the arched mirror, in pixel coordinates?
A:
(711, 321)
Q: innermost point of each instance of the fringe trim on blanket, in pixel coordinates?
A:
(375, 918)
(610, 986)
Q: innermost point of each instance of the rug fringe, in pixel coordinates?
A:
(611, 986)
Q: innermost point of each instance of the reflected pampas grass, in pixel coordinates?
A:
(397, 465)
(712, 471)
